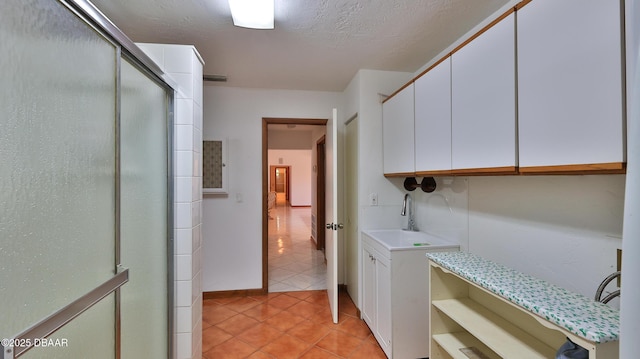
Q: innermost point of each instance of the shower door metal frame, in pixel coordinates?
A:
(125, 48)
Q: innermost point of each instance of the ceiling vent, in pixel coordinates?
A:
(215, 78)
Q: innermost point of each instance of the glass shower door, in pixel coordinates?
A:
(84, 199)
(143, 241)
(57, 175)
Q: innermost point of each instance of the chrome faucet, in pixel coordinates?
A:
(411, 223)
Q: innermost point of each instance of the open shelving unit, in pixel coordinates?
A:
(475, 317)
(509, 340)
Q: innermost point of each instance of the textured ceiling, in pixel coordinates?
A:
(316, 44)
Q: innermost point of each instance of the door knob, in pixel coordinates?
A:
(334, 226)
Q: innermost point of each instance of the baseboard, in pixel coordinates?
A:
(233, 293)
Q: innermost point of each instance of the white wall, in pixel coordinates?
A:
(232, 225)
(629, 310)
(299, 173)
(362, 97)
(444, 212)
(289, 140)
(563, 229)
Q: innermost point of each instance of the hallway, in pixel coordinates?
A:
(294, 262)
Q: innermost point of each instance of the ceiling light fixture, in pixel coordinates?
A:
(253, 14)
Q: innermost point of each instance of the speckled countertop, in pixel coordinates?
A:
(576, 313)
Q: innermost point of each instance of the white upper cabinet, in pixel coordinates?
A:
(433, 119)
(570, 88)
(483, 88)
(397, 133)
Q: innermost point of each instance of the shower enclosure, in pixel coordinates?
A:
(86, 217)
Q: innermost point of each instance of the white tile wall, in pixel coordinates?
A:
(184, 112)
(195, 213)
(184, 242)
(183, 344)
(196, 188)
(184, 65)
(184, 135)
(183, 267)
(197, 116)
(185, 81)
(183, 188)
(183, 215)
(184, 293)
(197, 140)
(184, 163)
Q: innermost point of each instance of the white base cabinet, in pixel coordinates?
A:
(395, 298)
(376, 306)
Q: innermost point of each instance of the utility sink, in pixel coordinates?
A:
(398, 239)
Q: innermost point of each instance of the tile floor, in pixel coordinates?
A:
(285, 325)
(294, 262)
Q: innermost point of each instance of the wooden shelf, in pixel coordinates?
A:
(453, 342)
(497, 333)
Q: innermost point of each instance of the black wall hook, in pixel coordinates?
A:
(428, 184)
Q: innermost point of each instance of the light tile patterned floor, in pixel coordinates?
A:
(294, 262)
(285, 325)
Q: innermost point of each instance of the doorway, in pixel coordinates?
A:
(280, 181)
(288, 174)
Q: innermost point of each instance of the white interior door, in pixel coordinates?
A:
(333, 226)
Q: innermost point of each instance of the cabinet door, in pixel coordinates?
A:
(433, 119)
(484, 100)
(383, 302)
(570, 88)
(368, 287)
(397, 133)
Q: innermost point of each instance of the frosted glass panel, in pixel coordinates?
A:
(90, 335)
(56, 161)
(143, 131)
